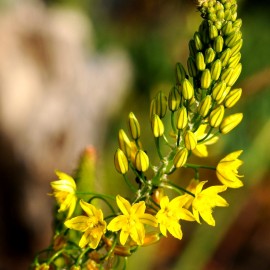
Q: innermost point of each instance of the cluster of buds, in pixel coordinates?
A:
(195, 108)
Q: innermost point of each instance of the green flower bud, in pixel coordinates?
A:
(220, 14)
(226, 75)
(213, 32)
(216, 116)
(180, 73)
(200, 61)
(198, 41)
(134, 126)
(206, 79)
(233, 97)
(233, 38)
(216, 70)
(237, 24)
(161, 104)
(120, 161)
(157, 126)
(124, 142)
(187, 89)
(205, 106)
(218, 24)
(190, 140)
(180, 158)
(210, 55)
(227, 28)
(223, 96)
(230, 122)
(235, 75)
(218, 90)
(192, 48)
(234, 16)
(227, 15)
(192, 69)
(182, 119)
(141, 161)
(218, 44)
(233, 8)
(237, 47)
(233, 61)
(174, 99)
(212, 17)
(225, 56)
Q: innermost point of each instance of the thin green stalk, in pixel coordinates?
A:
(158, 148)
(104, 200)
(129, 184)
(176, 188)
(95, 194)
(195, 166)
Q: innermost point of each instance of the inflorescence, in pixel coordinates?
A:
(198, 112)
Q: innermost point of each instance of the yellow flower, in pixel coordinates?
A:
(227, 170)
(92, 225)
(64, 191)
(201, 149)
(132, 220)
(205, 200)
(169, 215)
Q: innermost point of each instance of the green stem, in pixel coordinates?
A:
(79, 260)
(104, 200)
(55, 256)
(176, 188)
(129, 184)
(158, 148)
(173, 122)
(95, 194)
(178, 137)
(195, 166)
(205, 137)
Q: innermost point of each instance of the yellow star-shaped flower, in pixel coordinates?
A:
(205, 200)
(131, 223)
(227, 170)
(169, 215)
(92, 225)
(64, 191)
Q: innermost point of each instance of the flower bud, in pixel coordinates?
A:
(216, 116)
(75, 267)
(174, 99)
(218, 24)
(235, 75)
(192, 48)
(220, 14)
(192, 69)
(158, 193)
(182, 120)
(152, 108)
(225, 56)
(232, 98)
(187, 89)
(134, 126)
(226, 75)
(190, 140)
(218, 90)
(151, 238)
(124, 142)
(230, 122)
(227, 28)
(210, 55)
(213, 32)
(206, 79)
(227, 15)
(120, 161)
(216, 70)
(233, 38)
(157, 126)
(198, 41)
(200, 61)
(205, 106)
(141, 161)
(218, 44)
(236, 48)
(161, 104)
(234, 60)
(180, 158)
(180, 73)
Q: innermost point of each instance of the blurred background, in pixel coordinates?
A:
(71, 71)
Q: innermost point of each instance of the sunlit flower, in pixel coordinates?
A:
(227, 170)
(64, 191)
(169, 215)
(205, 200)
(92, 225)
(201, 147)
(131, 223)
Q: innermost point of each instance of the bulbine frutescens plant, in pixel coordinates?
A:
(198, 112)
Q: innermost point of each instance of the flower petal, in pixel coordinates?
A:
(78, 223)
(137, 233)
(138, 208)
(175, 230)
(123, 205)
(123, 237)
(117, 223)
(148, 219)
